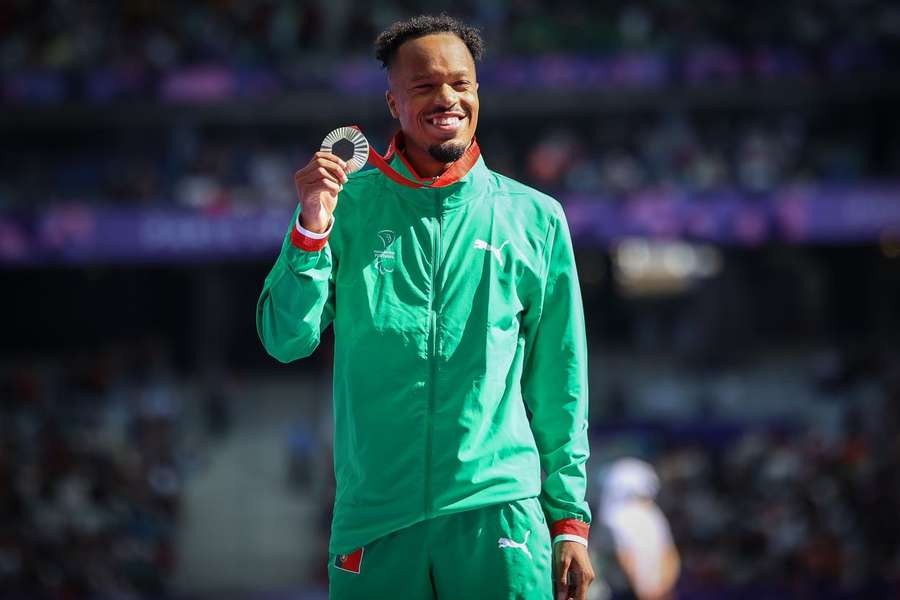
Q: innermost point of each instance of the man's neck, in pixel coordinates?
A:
(424, 165)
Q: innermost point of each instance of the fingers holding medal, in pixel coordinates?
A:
(319, 182)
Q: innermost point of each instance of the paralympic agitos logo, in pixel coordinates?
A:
(384, 258)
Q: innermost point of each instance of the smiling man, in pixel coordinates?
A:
(460, 358)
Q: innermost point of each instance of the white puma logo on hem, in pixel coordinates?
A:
(483, 245)
(508, 543)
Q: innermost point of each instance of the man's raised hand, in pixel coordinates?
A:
(318, 185)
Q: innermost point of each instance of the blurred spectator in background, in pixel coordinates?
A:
(636, 552)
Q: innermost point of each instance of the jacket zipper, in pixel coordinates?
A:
(433, 354)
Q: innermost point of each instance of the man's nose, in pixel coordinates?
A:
(446, 96)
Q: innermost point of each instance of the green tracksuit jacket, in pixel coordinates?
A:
(460, 365)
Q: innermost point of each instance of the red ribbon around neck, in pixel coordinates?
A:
(454, 173)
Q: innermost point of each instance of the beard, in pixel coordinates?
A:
(447, 152)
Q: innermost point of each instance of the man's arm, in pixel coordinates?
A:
(554, 385)
(297, 300)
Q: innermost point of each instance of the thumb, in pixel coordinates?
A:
(562, 582)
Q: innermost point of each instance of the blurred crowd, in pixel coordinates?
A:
(607, 158)
(90, 475)
(618, 157)
(804, 512)
(78, 34)
(60, 50)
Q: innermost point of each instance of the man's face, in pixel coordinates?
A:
(434, 94)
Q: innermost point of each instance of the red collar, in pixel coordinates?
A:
(454, 173)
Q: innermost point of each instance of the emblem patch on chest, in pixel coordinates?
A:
(384, 258)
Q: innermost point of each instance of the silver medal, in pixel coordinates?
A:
(349, 144)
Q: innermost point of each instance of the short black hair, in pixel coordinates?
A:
(393, 37)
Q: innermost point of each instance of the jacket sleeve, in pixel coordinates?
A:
(554, 386)
(297, 300)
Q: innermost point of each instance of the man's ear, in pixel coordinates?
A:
(392, 104)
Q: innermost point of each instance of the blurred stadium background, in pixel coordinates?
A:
(731, 173)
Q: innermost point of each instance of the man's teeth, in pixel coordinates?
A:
(445, 120)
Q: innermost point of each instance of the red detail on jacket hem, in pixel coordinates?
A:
(571, 527)
(305, 243)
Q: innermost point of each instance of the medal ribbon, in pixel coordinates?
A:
(457, 169)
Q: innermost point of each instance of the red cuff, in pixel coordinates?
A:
(306, 243)
(570, 527)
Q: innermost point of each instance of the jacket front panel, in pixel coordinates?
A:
(437, 296)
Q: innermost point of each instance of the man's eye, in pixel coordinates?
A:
(461, 84)
(422, 87)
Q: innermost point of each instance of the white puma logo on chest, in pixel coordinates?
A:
(483, 245)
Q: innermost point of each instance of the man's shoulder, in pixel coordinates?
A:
(526, 196)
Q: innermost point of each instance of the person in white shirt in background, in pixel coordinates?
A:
(638, 533)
